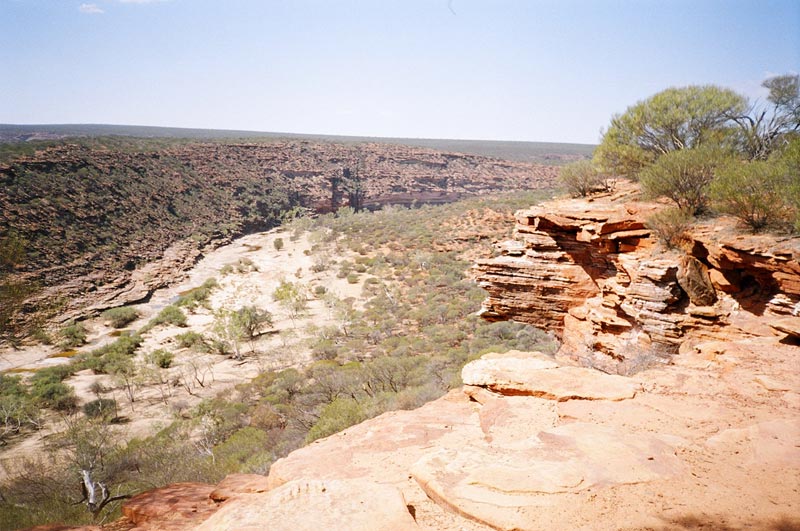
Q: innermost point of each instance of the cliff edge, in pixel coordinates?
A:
(593, 272)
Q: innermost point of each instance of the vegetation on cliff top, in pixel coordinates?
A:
(707, 149)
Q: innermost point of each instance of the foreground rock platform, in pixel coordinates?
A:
(708, 442)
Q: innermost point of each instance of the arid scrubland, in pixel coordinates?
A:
(274, 341)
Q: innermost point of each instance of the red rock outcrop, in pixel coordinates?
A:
(592, 271)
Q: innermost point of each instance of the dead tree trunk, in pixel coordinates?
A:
(96, 495)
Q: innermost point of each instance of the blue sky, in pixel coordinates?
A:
(483, 69)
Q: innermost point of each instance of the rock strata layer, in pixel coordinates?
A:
(593, 272)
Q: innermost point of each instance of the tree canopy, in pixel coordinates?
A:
(706, 146)
(674, 119)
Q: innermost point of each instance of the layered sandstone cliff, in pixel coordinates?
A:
(592, 271)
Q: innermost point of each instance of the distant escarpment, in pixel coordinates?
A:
(592, 271)
(107, 222)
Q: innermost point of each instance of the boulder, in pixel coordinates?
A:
(693, 278)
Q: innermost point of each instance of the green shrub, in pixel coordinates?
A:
(192, 340)
(73, 335)
(336, 416)
(42, 336)
(198, 296)
(161, 358)
(683, 177)
(352, 278)
(252, 320)
(244, 451)
(102, 408)
(325, 349)
(121, 316)
(278, 244)
(169, 315)
(245, 265)
(757, 193)
(790, 159)
(99, 360)
(581, 178)
(670, 226)
(54, 394)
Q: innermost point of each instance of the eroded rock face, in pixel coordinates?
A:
(592, 271)
(94, 217)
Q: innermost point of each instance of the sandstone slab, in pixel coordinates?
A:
(542, 377)
(788, 325)
(506, 489)
(312, 505)
(182, 503)
(773, 442)
(383, 447)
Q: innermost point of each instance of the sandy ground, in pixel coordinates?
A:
(160, 394)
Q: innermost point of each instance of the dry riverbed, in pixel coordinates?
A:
(161, 394)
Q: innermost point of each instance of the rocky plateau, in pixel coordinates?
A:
(674, 402)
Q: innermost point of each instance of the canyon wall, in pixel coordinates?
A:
(107, 223)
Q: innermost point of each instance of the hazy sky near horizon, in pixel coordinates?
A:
(553, 70)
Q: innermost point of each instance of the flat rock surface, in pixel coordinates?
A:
(503, 488)
(312, 505)
(706, 443)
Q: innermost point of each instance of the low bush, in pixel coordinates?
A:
(670, 226)
(758, 193)
(192, 340)
(336, 416)
(161, 358)
(581, 178)
(120, 317)
(73, 335)
(325, 349)
(100, 360)
(53, 394)
(683, 177)
(102, 408)
(197, 296)
(169, 315)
